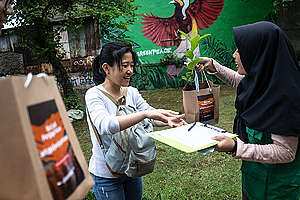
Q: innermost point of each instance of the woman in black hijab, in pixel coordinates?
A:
(268, 111)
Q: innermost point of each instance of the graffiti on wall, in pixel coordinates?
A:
(80, 81)
(75, 65)
(84, 80)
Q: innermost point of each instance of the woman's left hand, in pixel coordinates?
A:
(176, 121)
(226, 144)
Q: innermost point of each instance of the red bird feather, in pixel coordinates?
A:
(163, 31)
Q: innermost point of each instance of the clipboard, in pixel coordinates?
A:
(198, 138)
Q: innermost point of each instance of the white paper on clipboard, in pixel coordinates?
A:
(198, 138)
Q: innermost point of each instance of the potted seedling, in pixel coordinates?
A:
(191, 76)
(200, 98)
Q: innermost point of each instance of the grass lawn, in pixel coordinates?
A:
(178, 175)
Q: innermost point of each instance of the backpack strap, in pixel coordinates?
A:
(95, 130)
(121, 100)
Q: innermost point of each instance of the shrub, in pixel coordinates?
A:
(74, 102)
(171, 59)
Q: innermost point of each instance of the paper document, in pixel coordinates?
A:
(199, 137)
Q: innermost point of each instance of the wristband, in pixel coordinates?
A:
(234, 148)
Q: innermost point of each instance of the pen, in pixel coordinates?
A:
(192, 126)
(215, 129)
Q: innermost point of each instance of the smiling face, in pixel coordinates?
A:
(5, 9)
(238, 62)
(121, 77)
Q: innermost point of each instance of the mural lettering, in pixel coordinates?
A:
(154, 52)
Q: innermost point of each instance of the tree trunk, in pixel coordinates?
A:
(62, 76)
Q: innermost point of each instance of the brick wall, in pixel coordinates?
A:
(11, 63)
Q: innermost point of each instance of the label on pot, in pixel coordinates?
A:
(206, 107)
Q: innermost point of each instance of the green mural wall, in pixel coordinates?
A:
(219, 45)
(236, 13)
(146, 50)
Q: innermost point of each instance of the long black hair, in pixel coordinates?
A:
(111, 53)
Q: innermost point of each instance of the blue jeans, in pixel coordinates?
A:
(124, 188)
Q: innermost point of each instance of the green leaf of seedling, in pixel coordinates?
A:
(192, 64)
(189, 54)
(185, 35)
(198, 60)
(189, 76)
(189, 73)
(195, 42)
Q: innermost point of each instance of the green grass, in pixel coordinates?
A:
(178, 175)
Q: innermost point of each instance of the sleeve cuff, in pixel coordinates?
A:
(239, 147)
(212, 73)
(114, 125)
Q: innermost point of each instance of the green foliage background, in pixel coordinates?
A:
(154, 75)
(147, 77)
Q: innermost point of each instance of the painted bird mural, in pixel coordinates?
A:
(188, 17)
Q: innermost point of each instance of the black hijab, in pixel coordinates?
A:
(268, 98)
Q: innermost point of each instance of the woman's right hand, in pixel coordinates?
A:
(155, 114)
(206, 64)
(167, 117)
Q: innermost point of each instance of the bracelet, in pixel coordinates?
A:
(234, 148)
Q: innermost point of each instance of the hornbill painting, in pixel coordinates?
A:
(188, 17)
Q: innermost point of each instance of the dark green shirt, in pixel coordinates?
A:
(270, 181)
